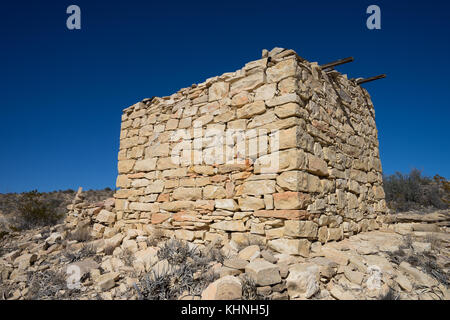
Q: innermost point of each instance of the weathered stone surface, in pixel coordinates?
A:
(145, 165)
(291, 246)
(417, 275)
(404, 283)
(249, 253)
(226, 204)
(291, 200)
(317, 165)
(226, 288)
(218, 91)
(283, 214)
(106, 217)
(187, 193)
(107, 281)
(251, 203)
(214, 192)
(299, 181)
(25, 260)
(263, 272)
(235, 263)
(155, 187)
(248, 83)
(354, 276)
(229, 225)
(250, 110)
(303, 280)
(301, 229)
(256, 188)
(281, 70)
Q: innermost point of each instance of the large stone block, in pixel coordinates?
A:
(225, 288)
(263, 272)
(291, 200)
(247, 83)
(299, 181)
(218, 90)
(257, 188)
(283, 69)
(250, 203)
(250, 110)
(301, 229)
(187, 193)
(291, 246)
(231, 225)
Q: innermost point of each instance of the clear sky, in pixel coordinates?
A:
(62, 91)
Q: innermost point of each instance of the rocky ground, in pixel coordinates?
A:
(408, 259)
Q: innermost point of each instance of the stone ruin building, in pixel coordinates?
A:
(280, 152)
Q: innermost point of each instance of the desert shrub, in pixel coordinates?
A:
(425, 261)
(176, 251)
(413, 191)
(390, 295)
(34, 211)
(85, 252)
(189, 273)
(7, 290)
(46, 285)
(249, 291)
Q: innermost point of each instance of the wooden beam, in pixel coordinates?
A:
(361, 81)
(336, 63)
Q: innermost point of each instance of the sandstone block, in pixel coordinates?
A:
(187, 193)
(106, 217)
(155, 187)
(282, 214)
(226, 204)
(248, 83)
(263, 272)
(249, 253)
(283, 69)
(107, 281)
(229, 225)
(303, 280)
(251, 203)
(214, 192)
(257, 188)
(291, 200)
(302, 229)
(218, 90)
(291, 246)
(250, 110)
(145, 165)
(317, 166)
(226, 288)
(125, 166)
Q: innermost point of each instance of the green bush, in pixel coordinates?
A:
(413, 191)
(34, 211)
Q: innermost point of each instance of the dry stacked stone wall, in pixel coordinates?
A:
(279, 153)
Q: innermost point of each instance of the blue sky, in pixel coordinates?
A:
(62, 91)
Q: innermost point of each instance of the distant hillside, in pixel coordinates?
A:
(413, 191)
(14, 206)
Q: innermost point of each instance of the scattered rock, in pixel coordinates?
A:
(263, 272)
(226, 288)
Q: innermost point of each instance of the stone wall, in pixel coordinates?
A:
(278, 152)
